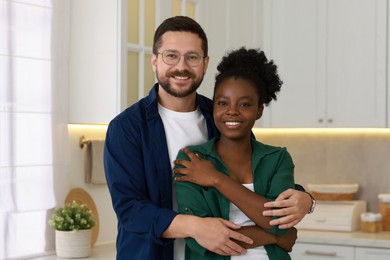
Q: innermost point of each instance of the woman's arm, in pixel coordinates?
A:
(261, 238)
(204, 173)
(195, 200)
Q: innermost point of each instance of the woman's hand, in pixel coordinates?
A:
(287, 241)
(197, 170)
(291, 205)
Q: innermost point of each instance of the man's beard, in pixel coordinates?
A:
(170, 90)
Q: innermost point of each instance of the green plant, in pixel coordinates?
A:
(72, 216)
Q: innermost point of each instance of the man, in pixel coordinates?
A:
(143, 141)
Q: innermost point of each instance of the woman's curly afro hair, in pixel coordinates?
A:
(252, 65)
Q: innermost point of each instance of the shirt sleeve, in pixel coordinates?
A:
(128, 183)
(190, 201)
(281, 179)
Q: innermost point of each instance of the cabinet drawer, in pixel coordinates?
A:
(307, 251)
(365, 253)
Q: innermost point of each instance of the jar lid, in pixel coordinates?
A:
(370, 217)
(384, 197)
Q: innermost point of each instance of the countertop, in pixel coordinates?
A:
(355, 238)
(98, 252)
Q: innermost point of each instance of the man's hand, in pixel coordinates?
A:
(291, 205)
(216, 234)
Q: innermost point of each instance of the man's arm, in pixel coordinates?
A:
(214, 234)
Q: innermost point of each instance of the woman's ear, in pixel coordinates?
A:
(259, 112)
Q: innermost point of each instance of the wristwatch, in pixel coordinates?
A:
(313, 205)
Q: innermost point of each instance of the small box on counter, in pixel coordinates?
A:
(334, 216)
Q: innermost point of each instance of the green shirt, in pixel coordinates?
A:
(273, 173)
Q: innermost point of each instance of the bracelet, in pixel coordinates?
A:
(314, 203)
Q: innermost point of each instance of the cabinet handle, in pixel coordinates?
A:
(310, 252)
(330, 120)
(320, 120)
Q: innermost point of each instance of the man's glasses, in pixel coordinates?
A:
(192, 59)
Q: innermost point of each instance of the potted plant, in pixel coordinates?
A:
(72, 224)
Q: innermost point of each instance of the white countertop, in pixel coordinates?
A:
(355, 238)
(98, 252)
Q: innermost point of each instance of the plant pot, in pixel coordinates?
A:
(73, 244)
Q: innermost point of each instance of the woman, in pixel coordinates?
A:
(236, 174)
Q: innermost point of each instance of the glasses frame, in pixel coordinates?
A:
(181, 55)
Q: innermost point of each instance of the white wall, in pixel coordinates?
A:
(99, 193)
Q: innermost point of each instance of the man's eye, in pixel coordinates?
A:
(221, 103)
(171, 55)
(245, 105)
(192, 57)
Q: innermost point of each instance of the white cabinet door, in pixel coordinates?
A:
(229, 25)
(307, 251)
(292, 38)
(356, 63)
(365, 253)
(94, 64)
(332, 60)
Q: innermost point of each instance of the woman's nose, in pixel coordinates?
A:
(232, 110)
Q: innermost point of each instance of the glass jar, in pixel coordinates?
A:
(384, 209)
(371, 222)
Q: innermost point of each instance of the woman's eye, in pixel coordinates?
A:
(244, 105)
(221, 103)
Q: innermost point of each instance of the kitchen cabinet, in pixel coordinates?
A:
(95, 63)
(306, 251)
(356, 245)
(365, 253)
(331, 56)
(310, 251)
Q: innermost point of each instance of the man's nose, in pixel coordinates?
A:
(182, 63)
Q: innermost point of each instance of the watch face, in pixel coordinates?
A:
(313, 205)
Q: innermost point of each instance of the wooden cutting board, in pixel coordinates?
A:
(82, 197)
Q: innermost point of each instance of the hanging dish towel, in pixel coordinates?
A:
(93, 162)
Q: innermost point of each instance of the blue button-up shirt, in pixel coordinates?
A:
(139, 177)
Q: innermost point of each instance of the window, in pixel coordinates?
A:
(33, 102)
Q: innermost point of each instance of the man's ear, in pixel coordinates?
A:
(153, 61)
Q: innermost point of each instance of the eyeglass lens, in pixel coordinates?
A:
(173, 58)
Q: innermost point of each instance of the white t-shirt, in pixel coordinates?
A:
(238, 217)
(182, 129)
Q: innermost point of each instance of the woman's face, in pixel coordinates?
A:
(236, 108)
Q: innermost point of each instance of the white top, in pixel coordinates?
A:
(182, 129)
(238, 217)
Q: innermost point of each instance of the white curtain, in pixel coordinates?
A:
(33, 122)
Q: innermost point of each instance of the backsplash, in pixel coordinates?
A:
(338, 156)
(320, 156)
